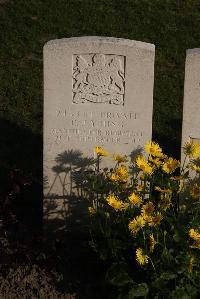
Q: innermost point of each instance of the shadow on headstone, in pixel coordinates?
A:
(65, 209)
(138, 151)
(67, 194)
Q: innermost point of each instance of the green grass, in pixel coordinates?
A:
(173, 26)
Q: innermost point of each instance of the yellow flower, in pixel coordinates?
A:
(191, 149)
(152, 242)
(135, 199)
(153, 149)
(195, 191)
(114, 177)
(140, 188)
(155, 161)
(170, 165)
(120, 159)
(156, 219)
(140, 221)
(194, 234)
(91, 210)
(143, 165)
(141, 258)
(191, 264)
(116, 203)
(122, 173)
(100, 151)
(196, 238)
(136, 224)
(147, 218)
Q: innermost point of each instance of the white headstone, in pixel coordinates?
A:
(191, 103)
(98, 91)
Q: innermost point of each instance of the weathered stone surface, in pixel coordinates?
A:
(98, 91)
(191, 103)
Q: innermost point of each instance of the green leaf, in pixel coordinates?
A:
(138, 290)
(159, 283)
(176, 237)
(118, 276)
(180, 269)
(180, 293)
(168, 276)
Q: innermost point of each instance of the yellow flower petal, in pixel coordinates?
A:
(136, 224)
(153, 149)
(170, 165)
(100, 151)
(191, 149)
(141, 258)
(116, 203)
(120, 159)
(135, 199)
(91, 210)
(144, 165)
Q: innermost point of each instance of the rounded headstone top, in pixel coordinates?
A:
(101, 40)
(193, 51)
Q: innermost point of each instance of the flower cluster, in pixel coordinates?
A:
(143, 196)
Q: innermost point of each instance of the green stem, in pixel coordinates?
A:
(144, 239)
(153, 266)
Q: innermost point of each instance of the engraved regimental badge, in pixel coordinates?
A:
(98, 78)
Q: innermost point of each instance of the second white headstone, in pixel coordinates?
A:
(191, 103)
